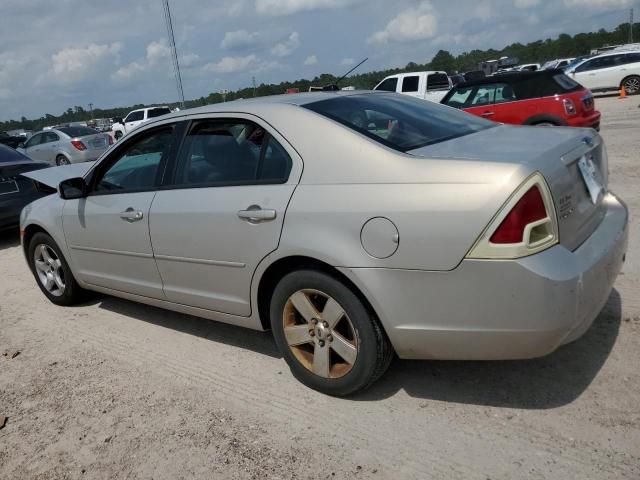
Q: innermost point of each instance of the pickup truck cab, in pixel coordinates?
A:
(432, 86)
(135, 118)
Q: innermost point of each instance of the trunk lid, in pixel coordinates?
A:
(99, 141)
(556, 152)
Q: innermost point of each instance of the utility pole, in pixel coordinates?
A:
(90, 110)
(253, 80)
(174, 54)
(631, 26)
(224, 93)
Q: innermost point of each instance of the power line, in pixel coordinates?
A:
(174, 53)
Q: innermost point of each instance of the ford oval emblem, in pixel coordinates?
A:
(588, 141)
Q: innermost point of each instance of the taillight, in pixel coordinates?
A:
(110, 139)
(78, 144)
(526, 224)
(569, 106)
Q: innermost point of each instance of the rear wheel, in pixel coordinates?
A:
(631, 85)
(62, 160)
(51, 271)
(118, 134)
(327, 336)
(545, 124)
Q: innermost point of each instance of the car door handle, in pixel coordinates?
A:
(131, 215)
(488, 114)
(256, 214)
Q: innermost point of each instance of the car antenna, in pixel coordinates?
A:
(334, 86)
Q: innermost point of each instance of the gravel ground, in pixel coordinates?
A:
(113, 389)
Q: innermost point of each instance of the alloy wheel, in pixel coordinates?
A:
(62, 160)
(632, 85)
(319, 333)
(49, 269)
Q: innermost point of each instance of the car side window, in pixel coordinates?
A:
(134, 116)
(486, 95)
(50, 137)
(136, 166)
(410, 84)
(388, 85)
(33, 141)
(234, 152)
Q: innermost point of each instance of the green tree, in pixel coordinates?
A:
(443, 60)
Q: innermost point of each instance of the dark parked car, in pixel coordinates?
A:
(546, 97)
(11, 140)
(16, 191)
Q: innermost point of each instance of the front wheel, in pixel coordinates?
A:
(330, 340)
(51, 271)
(631, 85)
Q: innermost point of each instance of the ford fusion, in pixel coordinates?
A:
(355, 225)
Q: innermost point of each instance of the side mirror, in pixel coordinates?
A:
(72, 188)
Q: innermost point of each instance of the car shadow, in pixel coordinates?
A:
(547, 382)
(260, 342)
(9, 238)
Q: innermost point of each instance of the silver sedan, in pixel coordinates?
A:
(353, 225)
(65, 145)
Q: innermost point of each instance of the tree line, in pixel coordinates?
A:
(538, 51)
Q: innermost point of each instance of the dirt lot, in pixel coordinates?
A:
(115, 390)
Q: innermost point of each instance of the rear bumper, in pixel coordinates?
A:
(590, 121)
(490, 310)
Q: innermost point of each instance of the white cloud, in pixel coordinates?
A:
(189, 59)
(231, 64)
(239, 39)
(128, 71)
(417, 23)
(287, 7)
(526, 3)
(156, 51)
(287, 47)
(347, 61)
(310, 60)
(71, 64)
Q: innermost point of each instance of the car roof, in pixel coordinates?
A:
(615, 52)
(510, 77)
(250, 105)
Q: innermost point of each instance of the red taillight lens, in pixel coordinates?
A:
(110, 140)
(530, 208)
(569, 106)
(78, 144)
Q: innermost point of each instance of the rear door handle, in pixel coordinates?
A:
(488, 114)
(131, 215)
(256, 214)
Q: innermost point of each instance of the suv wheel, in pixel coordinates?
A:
(51, 271)
(329, 339)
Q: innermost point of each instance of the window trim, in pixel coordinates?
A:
(169, 179)
(95, 173)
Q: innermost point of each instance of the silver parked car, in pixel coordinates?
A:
(65, 145)
(354, 225)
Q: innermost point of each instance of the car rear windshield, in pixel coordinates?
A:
(398, 121)
(77, 131)
(156, 112)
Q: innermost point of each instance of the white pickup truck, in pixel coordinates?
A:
(136, 117)
(432, 86)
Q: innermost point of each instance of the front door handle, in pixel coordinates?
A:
(488, 114)
(131, 215)
(256, 214)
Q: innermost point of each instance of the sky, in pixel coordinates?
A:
(55, 55)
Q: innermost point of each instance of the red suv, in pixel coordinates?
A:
(546, 97)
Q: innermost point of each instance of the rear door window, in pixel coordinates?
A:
(437, 81)
(410, 84)
(388, 85)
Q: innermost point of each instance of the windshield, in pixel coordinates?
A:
(78, 131)
(398, 121)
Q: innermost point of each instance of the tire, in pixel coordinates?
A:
(118, 134)
(545, 124)
(354, 331)
(631, 85)
(70, 293)
(62, 160)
